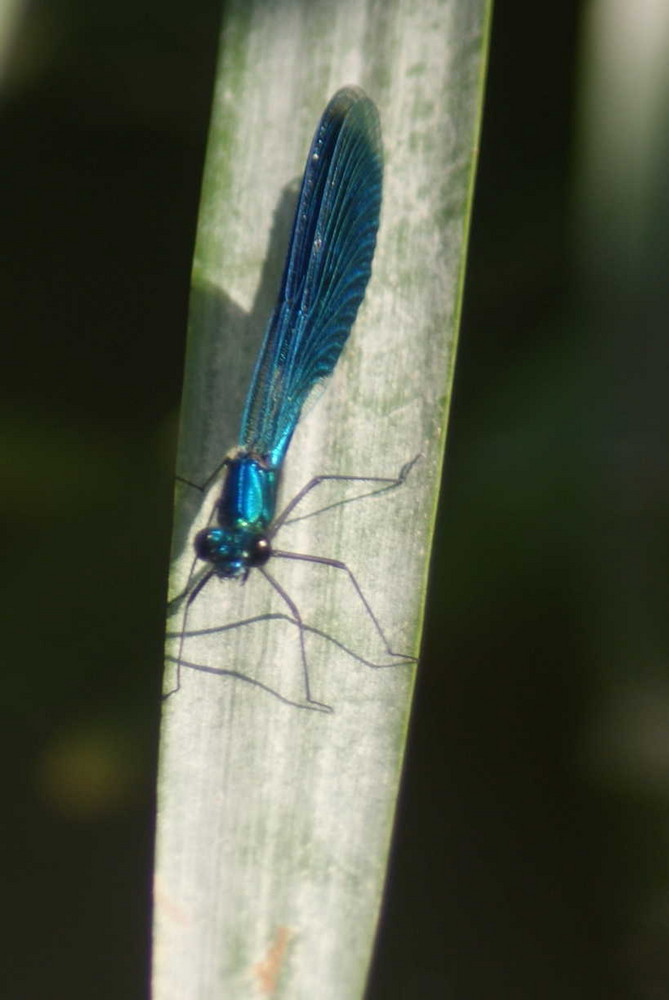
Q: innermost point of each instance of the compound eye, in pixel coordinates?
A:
(202, 544)
(260, 551)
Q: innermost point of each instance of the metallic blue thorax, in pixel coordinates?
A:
(248, 499)
(244, 513)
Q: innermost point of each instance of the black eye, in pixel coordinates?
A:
(202, 544)
(260, 551)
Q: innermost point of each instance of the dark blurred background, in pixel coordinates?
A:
(532, 847)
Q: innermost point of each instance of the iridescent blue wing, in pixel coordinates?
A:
(327, 269)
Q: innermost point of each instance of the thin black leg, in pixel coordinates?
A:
(386, 483)
(191, 597)
(338, 564)
(317, 705)
(269, 616)
(210, 479)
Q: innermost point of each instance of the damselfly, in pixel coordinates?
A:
(325, 276)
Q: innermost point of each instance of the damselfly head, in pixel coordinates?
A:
(232, 552)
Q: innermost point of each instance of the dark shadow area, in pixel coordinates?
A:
(218, 397)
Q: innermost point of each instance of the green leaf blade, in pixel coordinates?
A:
(274, 822)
